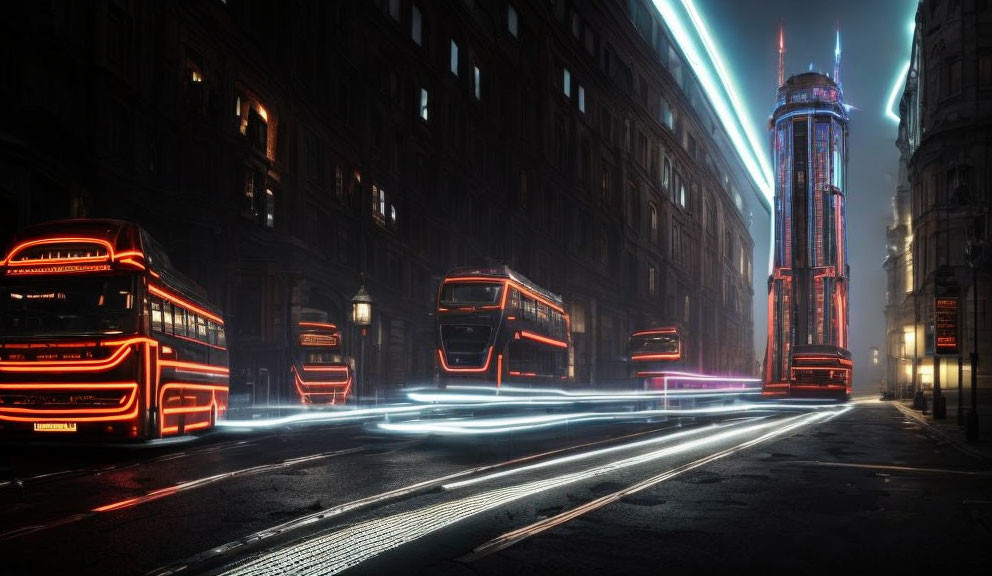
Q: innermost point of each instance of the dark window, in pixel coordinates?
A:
(985, 70)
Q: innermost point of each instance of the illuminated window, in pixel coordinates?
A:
(416, 27)
(254, 184)
(270, 208)
(477, 79)
(454, 58)
(682, 198)
(666, 175)
(156, 315)
(423, 104)
(566, 82)
(511, 20)
(582, 99)
(652, 274)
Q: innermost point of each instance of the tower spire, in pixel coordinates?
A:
(781, 53)
(837, 58)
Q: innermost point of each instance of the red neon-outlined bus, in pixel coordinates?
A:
(658, 364)
(817, 371)
(319, 372)
(655, 352)
(101, 336)
(494, 325)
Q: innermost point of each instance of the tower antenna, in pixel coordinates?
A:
(781, 53)
(837, 57)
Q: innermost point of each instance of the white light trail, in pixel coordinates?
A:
(184, 565)
(511, 538)
(350, 546)
(320, 417)
(485, 426)
(586, 455)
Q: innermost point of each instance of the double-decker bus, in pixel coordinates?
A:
(494, 326)
(319, 371)
(820, 371)
(658, 363)
(655, 352)
(101, 336)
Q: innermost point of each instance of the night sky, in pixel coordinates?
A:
(875, 43)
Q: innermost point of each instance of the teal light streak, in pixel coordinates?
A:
(732, 115)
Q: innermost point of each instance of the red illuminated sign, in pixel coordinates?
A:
(318, 340)
(946, 325)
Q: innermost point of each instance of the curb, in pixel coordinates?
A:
(938, 433)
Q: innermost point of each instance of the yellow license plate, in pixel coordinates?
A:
(54, 426)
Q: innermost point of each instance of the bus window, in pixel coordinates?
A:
(221, 339)
(201, 328)
(156, 315)
(528, 308)
(514, 300)
(181, 320)
(212, 330)
(167, 318)
(471, 294)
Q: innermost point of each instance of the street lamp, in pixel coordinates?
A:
(361, 316)
(975, 251)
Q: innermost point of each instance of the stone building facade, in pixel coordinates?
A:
(282, 151)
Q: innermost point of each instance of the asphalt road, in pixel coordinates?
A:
(853, 487)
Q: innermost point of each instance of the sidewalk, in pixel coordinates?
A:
(949, 430)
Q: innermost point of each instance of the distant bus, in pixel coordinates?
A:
(319, 371)
(820, 371)
(655, 352)
(101, 336)
(495, 326)
(658, 363)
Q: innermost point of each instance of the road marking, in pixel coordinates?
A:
(170, 490)
(374, 499)
(342, 549)
(895, 468)
(94, 470)
(510, 538)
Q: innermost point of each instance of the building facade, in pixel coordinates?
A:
(285, 151)
(945, 122)
(808, 287)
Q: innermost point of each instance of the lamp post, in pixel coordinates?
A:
(361, 317)
(975, 251)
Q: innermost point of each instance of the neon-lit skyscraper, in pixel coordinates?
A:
(808, 287)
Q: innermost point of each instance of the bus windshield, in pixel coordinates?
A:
(321, 356)
(655, 344)
(471, 294)
(57, 306)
